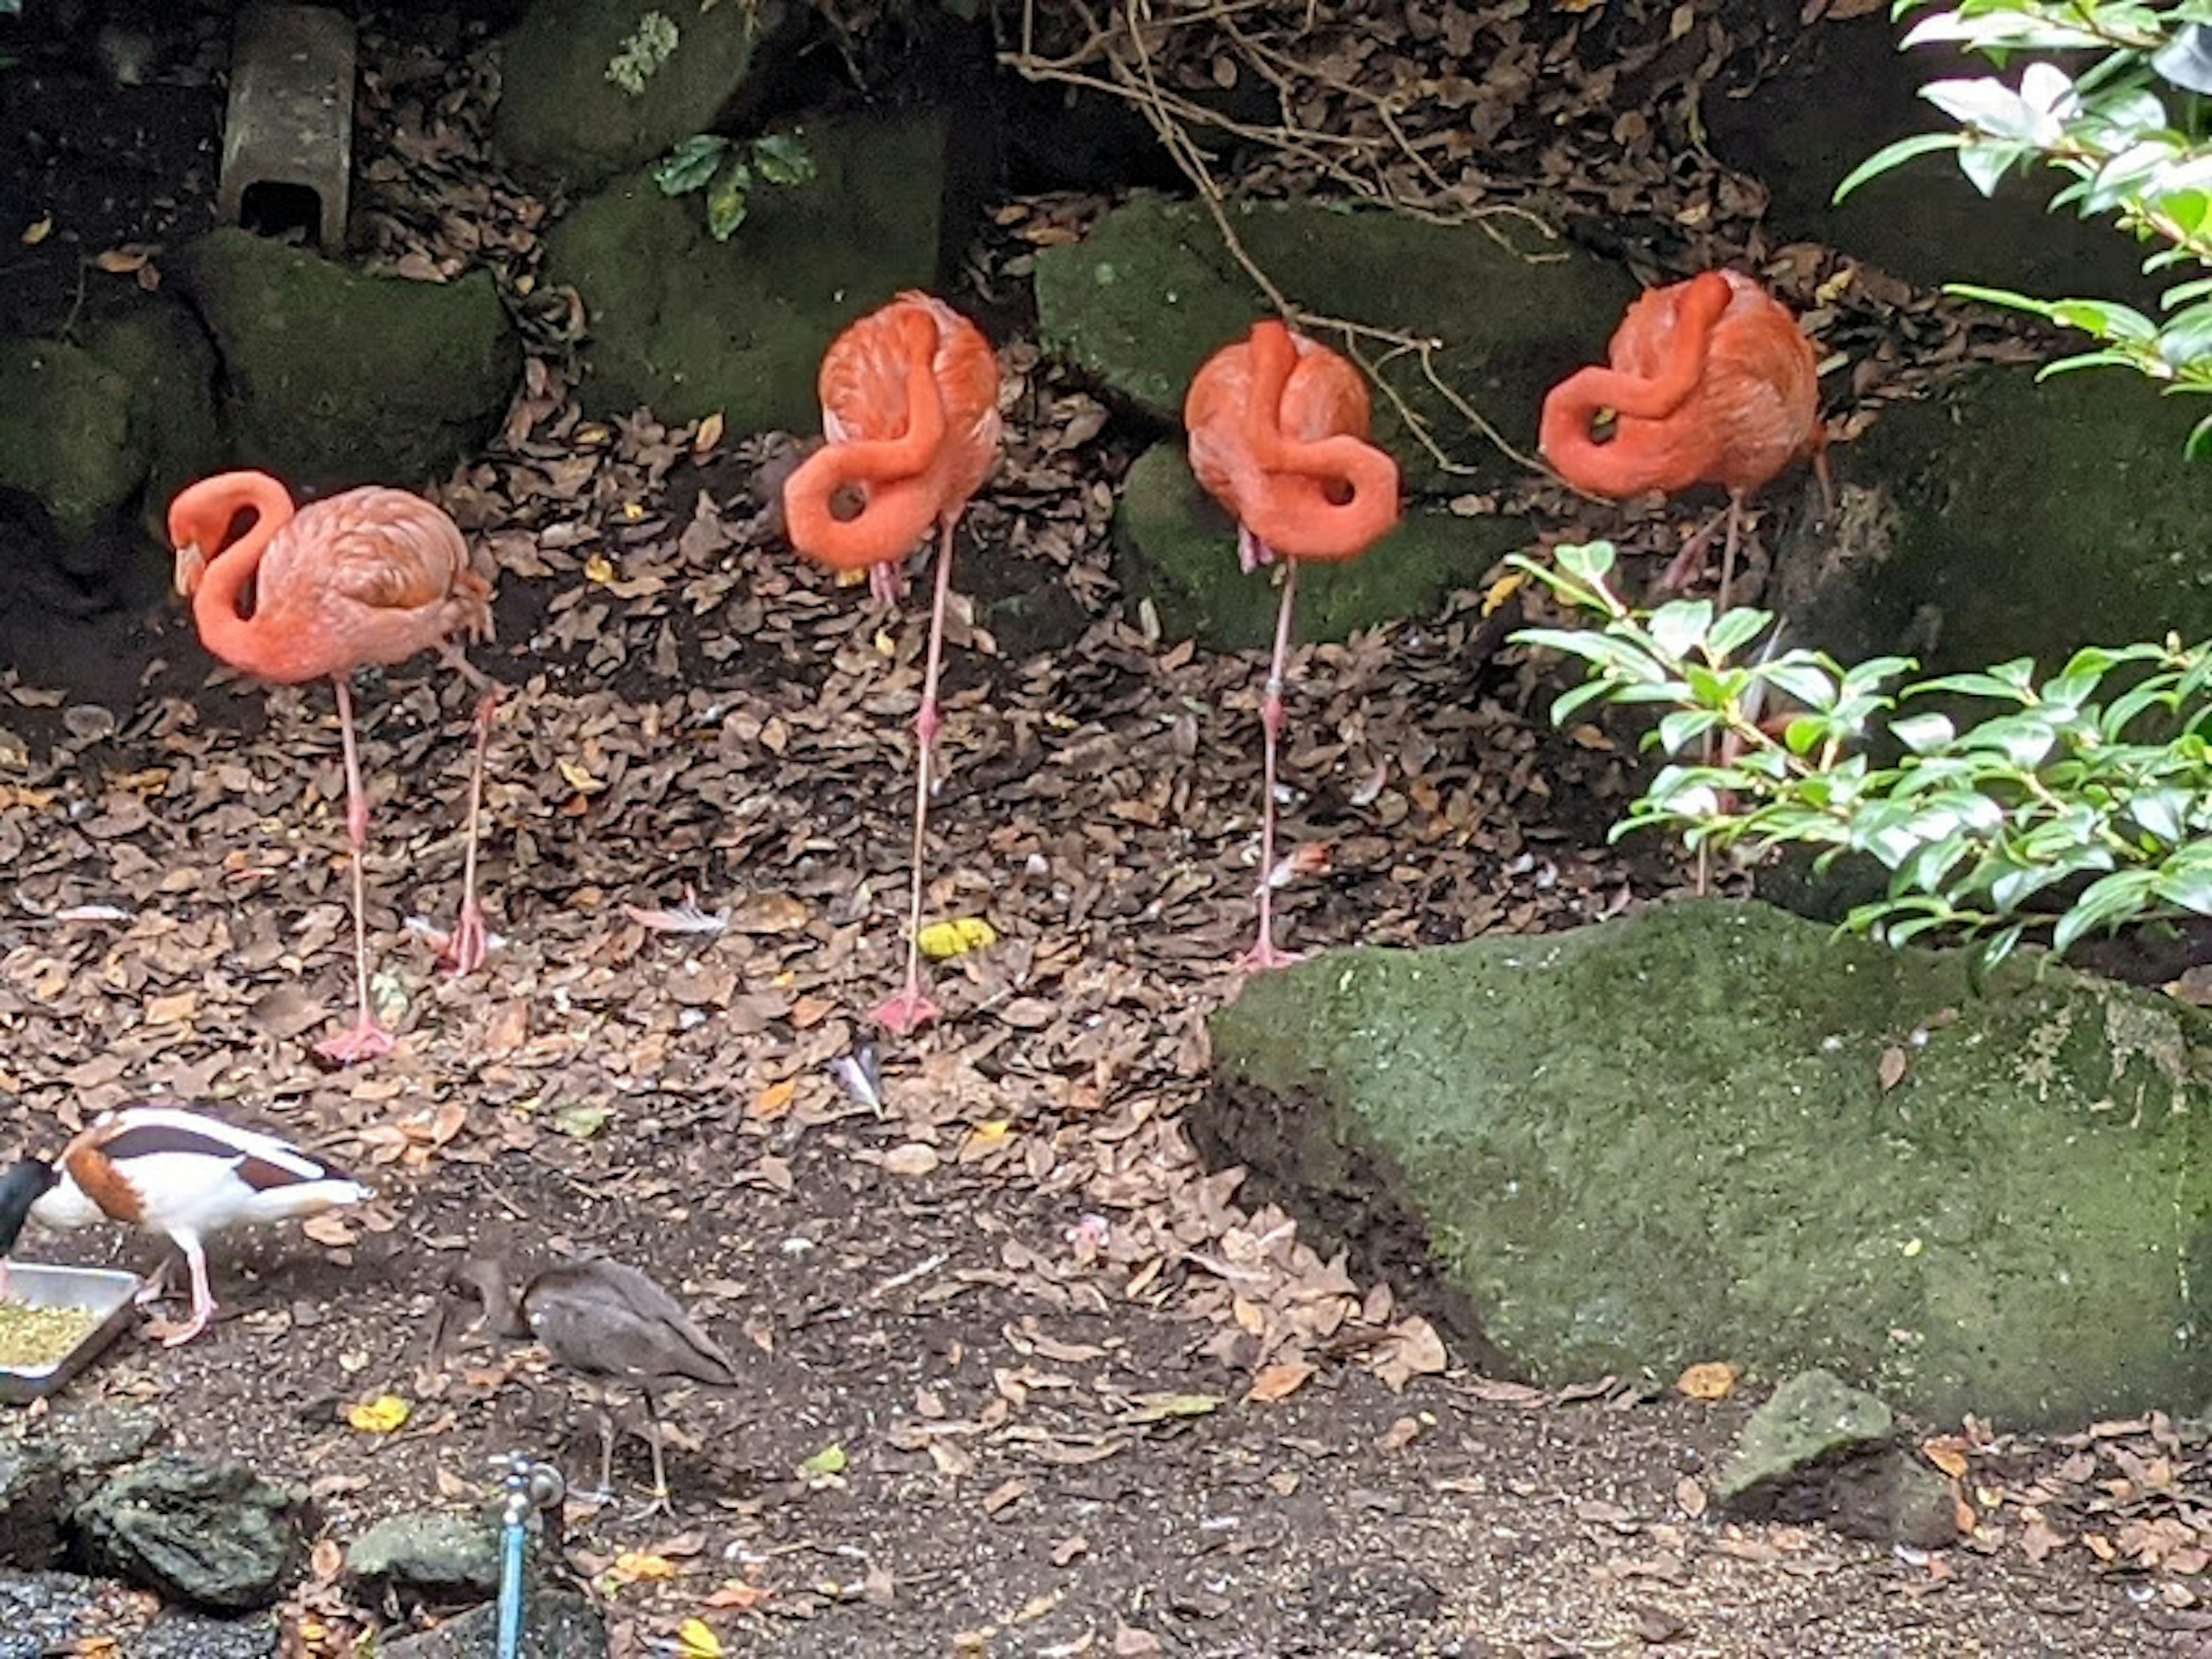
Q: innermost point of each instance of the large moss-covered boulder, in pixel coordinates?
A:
(1143, 299)
(168, 360)
(2011, 494)
(562, 107)
(1177, 548)
(66, 437)
(690, 326)
(332, 378)
(1669, 1138)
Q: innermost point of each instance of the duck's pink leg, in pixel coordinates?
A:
(911, 1010)
(366, 1040)
(203, 1300)
(1264, 953)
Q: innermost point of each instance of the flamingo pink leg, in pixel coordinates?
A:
(911, 1010)
(203, 1300)
(366, 1040)
(1264, 953)
(469, 945)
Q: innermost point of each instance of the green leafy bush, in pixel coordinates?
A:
(2090, 789)
(727, 171)
(2103, 119)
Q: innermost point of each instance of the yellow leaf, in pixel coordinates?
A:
(632, 510)
(942, 940)
(34, 235)
(993, 1133)
(1502, 590)
(708, 435)
(599, 568)
(631, 1565)
(593, 433)
(775, 1101)
(382, 1415)
(884, 644)
(1714, 1380)
(851, 578)
(121, 261)
(694, 1641)
(579, 780)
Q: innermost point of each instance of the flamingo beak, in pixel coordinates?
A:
(191, 564)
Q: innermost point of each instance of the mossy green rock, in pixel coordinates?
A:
(1178, 548)
(1152, 291)
(558, 110)
(2014, 495)
(688, 325)
(66, 437)
(331, 378)
(1664, 1139)
(167, 359)
(1813, 1415)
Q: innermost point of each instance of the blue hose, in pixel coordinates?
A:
(529, 1487)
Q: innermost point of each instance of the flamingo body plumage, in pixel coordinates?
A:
(1278, 427)
(1710, 381)
(369, 577)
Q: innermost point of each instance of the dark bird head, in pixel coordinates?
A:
(24, 1185)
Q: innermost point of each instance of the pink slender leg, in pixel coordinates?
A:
(469, 945)
(1727, 554)
(1264, 953)
(203, 1300)
(910, 1010)
(156, 1285)
(1685, 565)
(367, 1039)
(887, 583)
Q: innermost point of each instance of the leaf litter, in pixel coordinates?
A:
(1001, 1231)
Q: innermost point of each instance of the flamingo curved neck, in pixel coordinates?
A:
(231, 568)
(1296, 514)
(1625, 465)
(895, 510)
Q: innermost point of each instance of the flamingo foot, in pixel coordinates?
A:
(905, 1013)
(175, 1336)
(366, 1040)
(468, 947)
(1267, 954)
(887, 582)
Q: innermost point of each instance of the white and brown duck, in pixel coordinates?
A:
(183, 1175)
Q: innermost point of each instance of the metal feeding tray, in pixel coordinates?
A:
(103, 1290)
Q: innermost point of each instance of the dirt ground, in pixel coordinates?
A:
(1022, 1377)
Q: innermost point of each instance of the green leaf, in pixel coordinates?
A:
(2186, 880)
(690, 164)
(1678, 730)
(1895, 154)
(2105, 902)
(1923, 733)
(726, 201)
(782, 158)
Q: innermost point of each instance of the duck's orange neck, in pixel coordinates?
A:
(1333, 497)
(1622, 465)
(213, 570)
(896, 506)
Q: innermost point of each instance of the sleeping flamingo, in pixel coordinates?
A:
(1278, 427)
(1710, 381)
(910, 408)
(369, 576)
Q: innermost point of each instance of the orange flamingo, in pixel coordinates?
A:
(1278, 428)
(1711, 382)
(370, 576)
(910, 408)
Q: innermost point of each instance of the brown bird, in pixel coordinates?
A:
(1710, 381)
(608, 1323)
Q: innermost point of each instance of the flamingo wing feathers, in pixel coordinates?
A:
(387, 551)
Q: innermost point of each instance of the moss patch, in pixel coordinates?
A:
(65, 433)
(689, 326)
(1144, 299)
(334, 379)
(2014, 493)
(1178, 548)
(1664, 1139)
